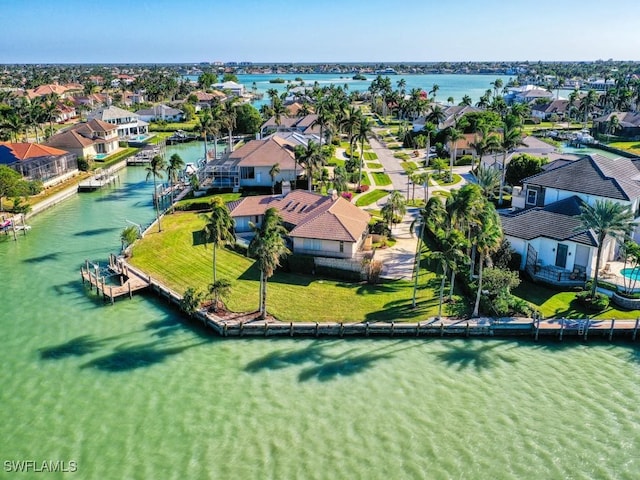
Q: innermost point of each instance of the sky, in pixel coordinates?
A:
(331, 31)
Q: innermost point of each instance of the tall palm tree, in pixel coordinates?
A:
(451, 253)
(176, 164)
(340, 179)
(229, 115)
(429, 130)
(511, 139)
(487, 240)
(350, 123)
(434, 90)
(605, 218)
(453, 135)
(155, 169)
(486, 143)
(466, 101)
(218, 228)
(365, 130)
(268, 247)
(273, 172)
(395, 206)
(586, 105)
(206, 126)
(436, 116)
(312, 157)
(488, 179)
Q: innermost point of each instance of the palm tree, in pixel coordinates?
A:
(586, 105)
(436, 116)
(510, 140)
(429, 130)
(488, 179)
(487, 143)
(466, 101)
(128, 236)
(218, 289)
(613, 125)
(350, 123)
(218, 228)
(395, 206)
(206, 125)
(340, 179)
(268, 247)
(434, 90)
(176, 164)
(605, 218)
(312, 157)
(155, 169)
(487, 240)
(450, 254)
(273, 172)
(365, 130)
(453, 135)
(229, 115)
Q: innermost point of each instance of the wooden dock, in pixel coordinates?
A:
(128, 280)
(99, 180)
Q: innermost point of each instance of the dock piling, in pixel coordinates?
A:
(635, 329)
(561, 328)
(613, 323)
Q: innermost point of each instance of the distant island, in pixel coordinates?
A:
(359, 76)
(277, 80)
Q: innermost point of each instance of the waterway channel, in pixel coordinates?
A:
(135, 391)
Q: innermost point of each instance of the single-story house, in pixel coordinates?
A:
(236, 89)
(544, 111)
(88, 139)
(629, 124)
(39, 162)
(321, 226)
(161, 112)
(128, 123)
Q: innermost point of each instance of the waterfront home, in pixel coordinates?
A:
(318, 225)
(545, 111)
(527, 94)
(249, 165)
(307, 125)
(628, 124)
(88, 139)
(236, 89)
(590, 178)
(128, 123)
(204, 99)
(39, 162)
(452, 114)
(161, 112)
(551, 245)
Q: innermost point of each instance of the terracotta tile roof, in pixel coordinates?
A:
(265, 152)
(25, 151)
(43, 90)
(310, 214)
(70, 139)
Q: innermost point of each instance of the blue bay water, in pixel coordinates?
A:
(135, 391)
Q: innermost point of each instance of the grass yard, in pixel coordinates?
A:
(172, 258)
(455, 179)
(365, 179)
(381, 179)
(374, 166)
(408, 167)
(402, 156)
(368, 156)
(205, 200)
(553, 303)
(336, 162)
(371, 197)
(633, 147)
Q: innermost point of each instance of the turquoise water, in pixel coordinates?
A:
(134, 391)
(588, 151)
(101, 156)
(451, 85)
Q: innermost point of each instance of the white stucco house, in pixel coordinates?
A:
(160, 112)
(545, 228)
(129, 123)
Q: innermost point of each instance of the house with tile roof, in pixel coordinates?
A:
(249, 165)
(161, 112)
(88, 139)
(544, 111)
(306, 125)
(321, 226)
(629, 124)
(129, 124)
(39, 162)
(544, 228)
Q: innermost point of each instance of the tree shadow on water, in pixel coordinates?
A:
(75, 347)
(481, 355)
(126, 358)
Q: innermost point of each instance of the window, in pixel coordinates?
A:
(312, 244)
(341, 247)
(532, 197)
(247, 172)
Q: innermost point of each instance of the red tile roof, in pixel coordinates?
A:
(266, 152)
(24, 151)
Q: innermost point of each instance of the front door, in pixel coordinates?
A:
(561, 255)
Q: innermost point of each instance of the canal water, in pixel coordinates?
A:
(135, 391)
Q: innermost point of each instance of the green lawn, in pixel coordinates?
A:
(115, 158)
(365, 179)
(371, 197)
(171, 258)
(374, 165)
(402, 156)
(381, 179)
(336, 162)
(633, 147)
(553, 303)
(206, 199)
(456, 178)
(172, 127)
(408, 167)
(370, 156)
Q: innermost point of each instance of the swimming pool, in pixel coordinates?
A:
(101, 156)
(632, 273)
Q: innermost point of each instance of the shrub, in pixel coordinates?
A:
(297, 263)
(465, 160)
(83, 164)
(362, 189)
(380, 228)
(347, 196)
(596, 304)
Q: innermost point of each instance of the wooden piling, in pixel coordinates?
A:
(586, 330)
(291, 329)
(537, 323)
(224, 329)
(467, 330)
(317, 329)
(366, 329)
(341, 329)
(241, 329)
(393, 328)
(82, 275)
(418, 329)
(561, 328)
(111, 295)
(613, 322)
(441, 329)
(130, 292)
(635, 329)
(266, 328)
